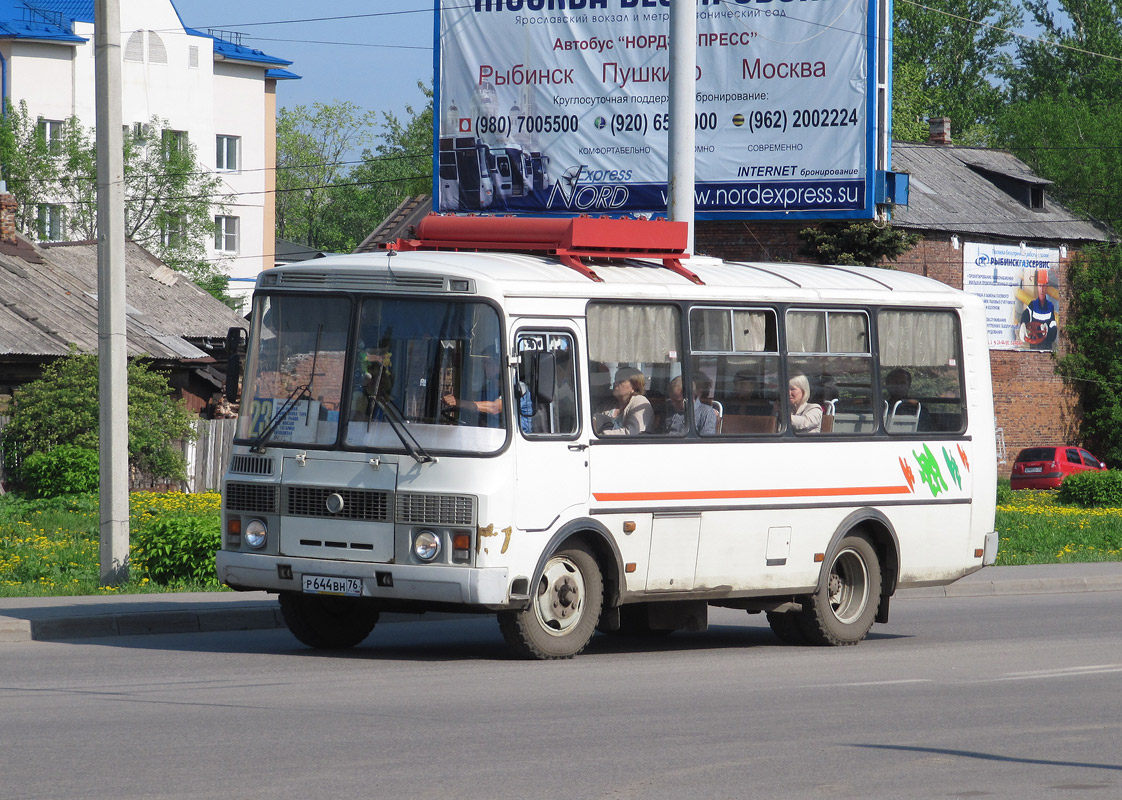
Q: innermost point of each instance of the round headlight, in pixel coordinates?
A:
(255, 534)
(426, 545)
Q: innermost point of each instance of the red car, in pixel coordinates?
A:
(1046, 467)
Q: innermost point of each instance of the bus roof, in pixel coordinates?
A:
(505, 274)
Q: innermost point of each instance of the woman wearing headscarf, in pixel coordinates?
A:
(633, 413)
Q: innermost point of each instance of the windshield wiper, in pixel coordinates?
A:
(301, 392)
(396, 419)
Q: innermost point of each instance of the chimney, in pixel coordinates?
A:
(940, 130)
(8, 208)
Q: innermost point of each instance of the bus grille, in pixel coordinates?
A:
(435, 509)
(311, 501)
(256, 498)
(251, 465)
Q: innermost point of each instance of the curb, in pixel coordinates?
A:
(265, 614)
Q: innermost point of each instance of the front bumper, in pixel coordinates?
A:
(466, 586)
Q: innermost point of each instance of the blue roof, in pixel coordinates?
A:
(53, 20)
(237, 52)
(281, 75)
(48, 20)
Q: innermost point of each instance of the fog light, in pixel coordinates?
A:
(255, 534)
(426, 545)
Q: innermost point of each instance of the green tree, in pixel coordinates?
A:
(61, 408)
(963, 61)
(857, 243)
(911, 104)
(1063, 116)
(27, 164)
(170, 200)
(1094, 359)
(312, 148)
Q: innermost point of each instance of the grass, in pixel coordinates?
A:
(1035, 528)
(50, 547)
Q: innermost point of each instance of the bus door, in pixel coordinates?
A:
(551, 443)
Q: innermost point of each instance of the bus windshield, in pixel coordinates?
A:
(426, 370)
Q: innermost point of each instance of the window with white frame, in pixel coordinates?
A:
(226, 234)
(226, 153)
(49, 222)
(51, 131)
(174, 141)
(173, 231)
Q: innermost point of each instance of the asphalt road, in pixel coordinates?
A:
(1000, 696)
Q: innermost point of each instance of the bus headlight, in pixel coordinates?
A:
(426, 545)
(255, 534)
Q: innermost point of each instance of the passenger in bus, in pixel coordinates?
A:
(898, 402)
(747, 398)
(633, 413)
(705, 416)
(805, 417)
(600, 387)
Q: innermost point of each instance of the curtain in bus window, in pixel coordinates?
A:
(917, 337)
(750, 331)
(632, 333)
(848, 332)
(806, 332)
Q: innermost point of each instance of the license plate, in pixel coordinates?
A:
(1034, 469)
(322, 584)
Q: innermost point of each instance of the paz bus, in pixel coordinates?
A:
(572, 425)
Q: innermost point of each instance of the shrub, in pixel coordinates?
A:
(179, 549)
(1093, 489)
(68, 469)
(62, 408)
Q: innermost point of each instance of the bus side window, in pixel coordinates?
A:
(547, 378)
(633, 352)
(736, 352)
(920, 377)
(831, 348)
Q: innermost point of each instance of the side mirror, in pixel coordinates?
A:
(538, 370)
(236, 339)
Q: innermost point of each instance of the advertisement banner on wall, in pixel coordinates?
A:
(560, 107)
(1019, 286)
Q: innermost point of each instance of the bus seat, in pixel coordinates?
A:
(827, 423)
(745, 423)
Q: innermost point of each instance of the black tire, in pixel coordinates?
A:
(328, 623)
(785, 625)
(843, 609)
(562, 615)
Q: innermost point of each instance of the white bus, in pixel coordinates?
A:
(599, 436)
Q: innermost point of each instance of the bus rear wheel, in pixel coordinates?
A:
(327, 623)
(562, 615)
(842, 610)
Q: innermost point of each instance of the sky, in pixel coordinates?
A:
(371, 53)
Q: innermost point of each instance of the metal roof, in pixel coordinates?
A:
(48, 300)
(53, 20)
(968, 190)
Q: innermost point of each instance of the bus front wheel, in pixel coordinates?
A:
(327, 623)
(843, 608)
(562, 615)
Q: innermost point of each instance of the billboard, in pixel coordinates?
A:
(1019, 285)
(560, 107)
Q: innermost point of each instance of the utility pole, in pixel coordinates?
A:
(683, 90)
(111, 350)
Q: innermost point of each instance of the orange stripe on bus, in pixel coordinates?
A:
(739, 494)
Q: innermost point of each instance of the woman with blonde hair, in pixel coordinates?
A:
(805, 417)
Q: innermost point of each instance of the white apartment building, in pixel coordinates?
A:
(204, 83)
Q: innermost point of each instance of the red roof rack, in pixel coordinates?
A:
(570, 239)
